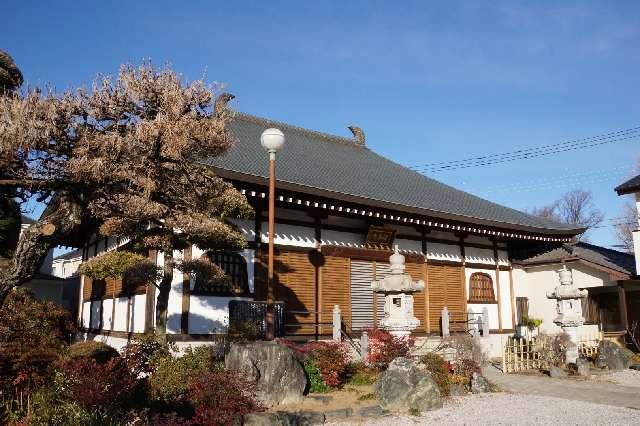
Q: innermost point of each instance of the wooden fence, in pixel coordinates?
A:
(521, 354)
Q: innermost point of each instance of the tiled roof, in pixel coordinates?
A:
(313, 161)
(632, 185)
(613, 259)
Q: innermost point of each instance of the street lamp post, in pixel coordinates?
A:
(271, 140)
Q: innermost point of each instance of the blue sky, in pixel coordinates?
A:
(427, 81)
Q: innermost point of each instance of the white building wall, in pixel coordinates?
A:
(535, 282)
(137, 312)
(120, 320)
(505, 301)
(339, 238)
(439, 251)
(479, 255)
(107, 313)
(290, 235)
(209, 314)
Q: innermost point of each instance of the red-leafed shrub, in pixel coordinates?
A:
(331, 359)
(222, 398)
(33, 334)
(385, 347)
(139, 353)
(98, 386)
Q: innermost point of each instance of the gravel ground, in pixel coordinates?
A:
(512, 409)
(625, 377)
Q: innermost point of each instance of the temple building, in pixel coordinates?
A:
(340, 209)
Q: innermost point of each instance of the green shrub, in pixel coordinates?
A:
(316, 384)
(359, 373)
(139, 353)
(414, 411)
(91, 349)
(439, 370)
(330, 358)
(172, 376)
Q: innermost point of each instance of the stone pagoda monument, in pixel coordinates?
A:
(569, 308)
(397, 288)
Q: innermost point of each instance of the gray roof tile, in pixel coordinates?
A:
(336, 165)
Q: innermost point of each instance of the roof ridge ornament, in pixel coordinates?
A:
(358, 134)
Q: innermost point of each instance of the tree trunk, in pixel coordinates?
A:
(162, 302)
(36, 241)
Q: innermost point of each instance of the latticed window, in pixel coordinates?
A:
(98, 289)
(235, 269)
(481, 288)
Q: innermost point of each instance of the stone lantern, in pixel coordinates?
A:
(569, 309)
(397, 288)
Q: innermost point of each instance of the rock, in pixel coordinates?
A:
(403, 386)
(557, 373)
(612, 356)
(340, 413)
(479, 384)
(277, 374)
(373, 411)
(284, 418)
(457, 390)
(583, 367)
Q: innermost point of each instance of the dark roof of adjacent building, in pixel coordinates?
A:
(26, 220)
(339, 168)
(608, 258)
(630, 186)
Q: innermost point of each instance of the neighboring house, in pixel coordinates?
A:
(630, 294)
(57, 278)
(340, 208)
(597, 269)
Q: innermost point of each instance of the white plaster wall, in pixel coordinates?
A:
(120, 320)
(478, 307)
(246, 227)
(174, 307)
(503, 257)
(290, 235)
(137, 312)
(535, 282)
(505, 301)
(438, 251)
(409, 245)
(107, 310)
(86, 311)
(479, 255)
(115, 342)
(339, 238)
(209, 314)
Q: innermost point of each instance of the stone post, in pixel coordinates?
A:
(364, 345)
(445, 322)
(337, 323)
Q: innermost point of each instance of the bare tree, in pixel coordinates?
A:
(626, 224)
(120, 159)
(575, 207)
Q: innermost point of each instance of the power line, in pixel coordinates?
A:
(533, 152)
(559, 181)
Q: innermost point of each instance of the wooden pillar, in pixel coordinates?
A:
(186, 293)
(150, 311)
(427, 324)
(463, 276)
(513, 299)
(113, 303)
(622, 297)
(495, 258)
(318, 277)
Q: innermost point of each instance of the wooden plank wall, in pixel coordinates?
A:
(418, 272)
(335, 290)
(445, 289)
